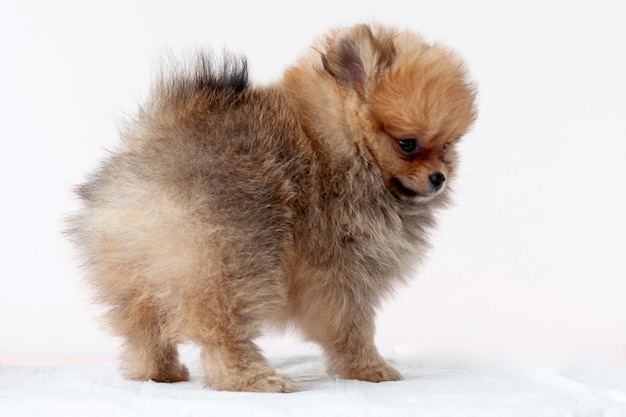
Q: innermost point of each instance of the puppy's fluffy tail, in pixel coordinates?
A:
(207, 76)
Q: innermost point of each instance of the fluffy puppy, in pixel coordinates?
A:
(231, 207)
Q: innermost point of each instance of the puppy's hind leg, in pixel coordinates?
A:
(345, 330)
(238, 365)
(224, 319)
(148, 354)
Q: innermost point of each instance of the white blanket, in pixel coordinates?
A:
(429, 390)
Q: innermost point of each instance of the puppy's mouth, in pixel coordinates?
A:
(401, 189)
(402, 192)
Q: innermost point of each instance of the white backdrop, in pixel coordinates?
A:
(527, 265)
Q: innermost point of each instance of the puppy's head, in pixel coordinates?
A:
(407, 102)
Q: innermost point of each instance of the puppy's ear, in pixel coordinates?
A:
(355, 56)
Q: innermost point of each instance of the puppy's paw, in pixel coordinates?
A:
(178, 373)
(379, 372)
(259, 383)
(275, 383)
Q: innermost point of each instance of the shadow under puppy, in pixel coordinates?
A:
(230, 207)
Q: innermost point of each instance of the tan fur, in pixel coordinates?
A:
(229, 207)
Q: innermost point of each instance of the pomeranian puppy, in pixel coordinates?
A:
(230, 208)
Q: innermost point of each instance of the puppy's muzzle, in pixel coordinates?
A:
(437, 179)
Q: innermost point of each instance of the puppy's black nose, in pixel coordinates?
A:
(437, 179)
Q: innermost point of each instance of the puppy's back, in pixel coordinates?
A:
(207, 173)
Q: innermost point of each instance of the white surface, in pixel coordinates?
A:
(429, 390)
(529, 260)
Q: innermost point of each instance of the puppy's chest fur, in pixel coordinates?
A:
(354, 230)
(333, 211)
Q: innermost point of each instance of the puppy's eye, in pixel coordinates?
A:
(408, 145)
